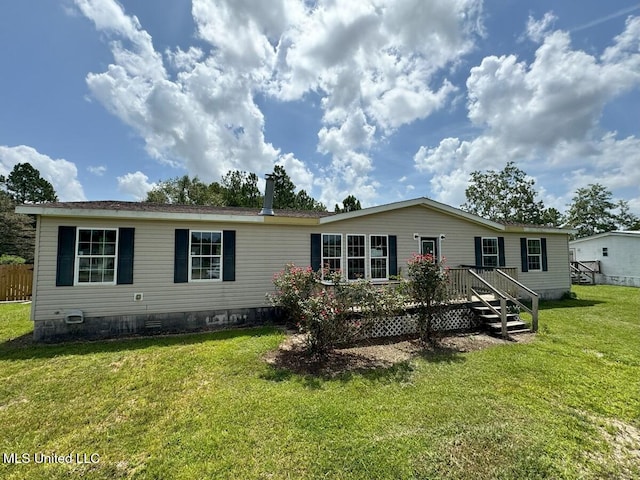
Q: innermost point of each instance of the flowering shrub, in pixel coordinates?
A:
(427, 286)
(333, 312)
(293, 285)
(324, 322)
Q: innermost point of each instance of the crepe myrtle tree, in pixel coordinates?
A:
(334, 311)
(428, 288)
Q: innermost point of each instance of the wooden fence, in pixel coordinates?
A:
(16, 282)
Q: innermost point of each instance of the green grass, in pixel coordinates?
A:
(207, 406)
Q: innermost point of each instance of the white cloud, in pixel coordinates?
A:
(538, 29)
(205, 119)
(62, 174)
(544, 116)
(299, 173)
(135, 184)
(98, 170)
(376, 65)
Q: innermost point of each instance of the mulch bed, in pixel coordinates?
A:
(378, 353)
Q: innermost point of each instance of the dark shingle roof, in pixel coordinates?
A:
(173, 208)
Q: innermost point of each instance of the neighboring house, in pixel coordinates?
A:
(112, 268)
(616, 256)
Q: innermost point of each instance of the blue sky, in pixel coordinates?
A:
(386, 100)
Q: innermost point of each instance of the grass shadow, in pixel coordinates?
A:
(440, 354)
(568, 303)
(23, 347)
(384, 359)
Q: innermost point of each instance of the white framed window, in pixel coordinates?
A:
(356, 257)
(96, 256)
(205, 255)
(379, 257)
(534, 254)
(489, 251)
(332, 252)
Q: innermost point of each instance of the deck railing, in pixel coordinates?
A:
(468, 284)
(588, 269)
(461, 283)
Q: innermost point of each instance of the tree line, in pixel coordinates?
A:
(240, 189)
(506, 196)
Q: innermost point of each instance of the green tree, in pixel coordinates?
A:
(284, 190)
(626, 219)
(186, 191)
(236, 189)
(304, 201)
(428, 282)
(25, 185)
(17, 231)
(507, 196)
(240, 189)
(593, 211)
(349, 204)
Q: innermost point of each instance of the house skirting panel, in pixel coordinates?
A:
(627, 281)
(94, 328)
(457, 317)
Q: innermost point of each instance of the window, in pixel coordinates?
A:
(490, 252)
(356, 251)
(534, 254)
(205, 255)
(96, 255)
(605, 252)
(379, 257)
(332, 252)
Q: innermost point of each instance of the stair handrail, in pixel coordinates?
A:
(496, 293)
(587, 269)
(533, 311)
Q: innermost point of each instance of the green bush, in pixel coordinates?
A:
(428, 288)
(293, 285)
(11, 260)
(335, 311)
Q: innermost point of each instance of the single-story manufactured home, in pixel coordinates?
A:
(613, 256)
(110, 268)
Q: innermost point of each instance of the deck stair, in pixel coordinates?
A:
(497, 303)
(584, 273)
(491, 320)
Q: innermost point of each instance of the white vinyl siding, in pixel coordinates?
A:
(261, 251)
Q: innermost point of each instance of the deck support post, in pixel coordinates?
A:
(503, 316)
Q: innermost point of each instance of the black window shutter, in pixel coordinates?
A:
(543, 249)
(181, 256)
(393, 255)
(228, 255)
(501, 258)
(478, 247)
(523, 255)
(316, 251)
(125, 256)
(66, 256)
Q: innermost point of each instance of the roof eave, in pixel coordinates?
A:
(136, 215)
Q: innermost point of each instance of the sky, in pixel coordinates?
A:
(384, 99)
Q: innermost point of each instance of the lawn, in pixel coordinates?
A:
(565, 406)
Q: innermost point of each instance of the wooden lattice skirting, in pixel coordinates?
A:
(447, 318)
